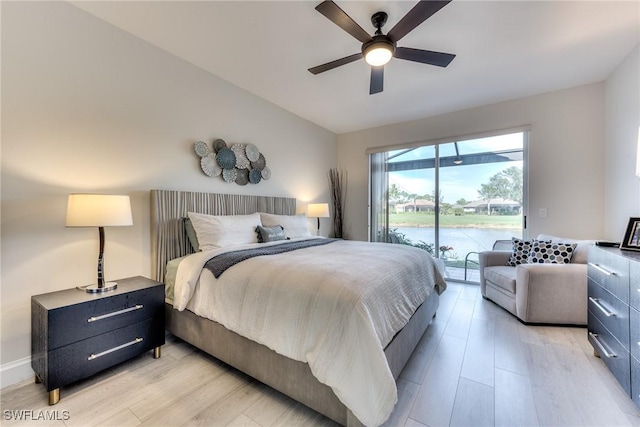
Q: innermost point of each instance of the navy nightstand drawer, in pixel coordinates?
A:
(84, 358)
(80, 321)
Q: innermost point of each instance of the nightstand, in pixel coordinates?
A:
(75, 334)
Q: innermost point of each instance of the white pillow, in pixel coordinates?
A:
(224, 230)
(294, 225)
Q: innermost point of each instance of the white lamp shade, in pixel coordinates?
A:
(98, 210)
(318, 210)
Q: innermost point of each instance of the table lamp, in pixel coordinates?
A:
(99, 210)
(318, 210)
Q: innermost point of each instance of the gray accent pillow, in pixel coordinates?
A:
(191, 235)
(270, 234)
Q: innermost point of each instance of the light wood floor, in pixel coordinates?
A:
(476, 365)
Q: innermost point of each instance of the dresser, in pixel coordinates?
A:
(614, 313)
(75, 334)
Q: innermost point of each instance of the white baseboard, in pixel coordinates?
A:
(15, 372)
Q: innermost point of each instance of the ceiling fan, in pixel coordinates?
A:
(379, 49)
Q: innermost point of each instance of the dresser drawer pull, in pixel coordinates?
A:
(603, 349)
(111, 350)
(115, 313)
(596, 302)
(602, 270)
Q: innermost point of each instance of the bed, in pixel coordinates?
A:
(293, 368)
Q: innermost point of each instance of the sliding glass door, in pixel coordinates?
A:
(452, 199)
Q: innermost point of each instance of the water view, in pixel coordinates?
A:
(463, 240)
(458, 236)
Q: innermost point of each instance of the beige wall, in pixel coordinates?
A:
(623, 124)
(566, 151)
(87, 107)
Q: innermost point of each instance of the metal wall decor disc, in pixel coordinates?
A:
(255, 176)
(201, 148)
(226, 158)
(253, 154)
(242, 176)
(229, 175)
(266, 173)
(219, 144)
(259, 164)
(210, 166)
(241, 158)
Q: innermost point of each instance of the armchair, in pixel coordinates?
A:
(538, 293)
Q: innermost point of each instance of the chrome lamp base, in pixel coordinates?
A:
(95, 288)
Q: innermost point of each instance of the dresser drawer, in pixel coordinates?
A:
(634, 335)
(635, 381)
(634, 290)
(613, 354)
(611, 271)
(610, 311)
(76, 322)
(84, 358)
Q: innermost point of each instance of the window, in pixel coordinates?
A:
(451, 198)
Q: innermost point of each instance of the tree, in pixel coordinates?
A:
(506, 184)
(461, 202)
(432, 196)
(394, 195)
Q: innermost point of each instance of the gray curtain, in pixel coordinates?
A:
(378, 198)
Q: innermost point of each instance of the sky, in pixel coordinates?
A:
(456, 182)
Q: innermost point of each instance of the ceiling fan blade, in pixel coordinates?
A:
(416, 16)
(424, 56)
(377, 79)
(333, 64)
(342, 20)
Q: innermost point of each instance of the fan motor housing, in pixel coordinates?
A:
(378, 19)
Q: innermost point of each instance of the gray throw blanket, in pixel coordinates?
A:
(220, 263)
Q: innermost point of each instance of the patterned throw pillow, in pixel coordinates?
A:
(551, 253)
(520, 251)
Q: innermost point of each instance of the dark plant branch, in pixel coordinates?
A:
(337, 181)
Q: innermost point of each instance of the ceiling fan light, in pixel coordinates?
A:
(378, 55)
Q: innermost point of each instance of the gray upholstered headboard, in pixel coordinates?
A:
(169, 208)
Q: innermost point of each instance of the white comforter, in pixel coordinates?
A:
(334, 307)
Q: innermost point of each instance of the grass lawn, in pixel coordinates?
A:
(423, 219)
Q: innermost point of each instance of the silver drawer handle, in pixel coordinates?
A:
(602, 270)
(601, 346)
(115, 313)
(596, 302)
(111, 350)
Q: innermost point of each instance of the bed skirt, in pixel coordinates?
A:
(289, 376)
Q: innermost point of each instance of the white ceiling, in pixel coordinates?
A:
(505, 50)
